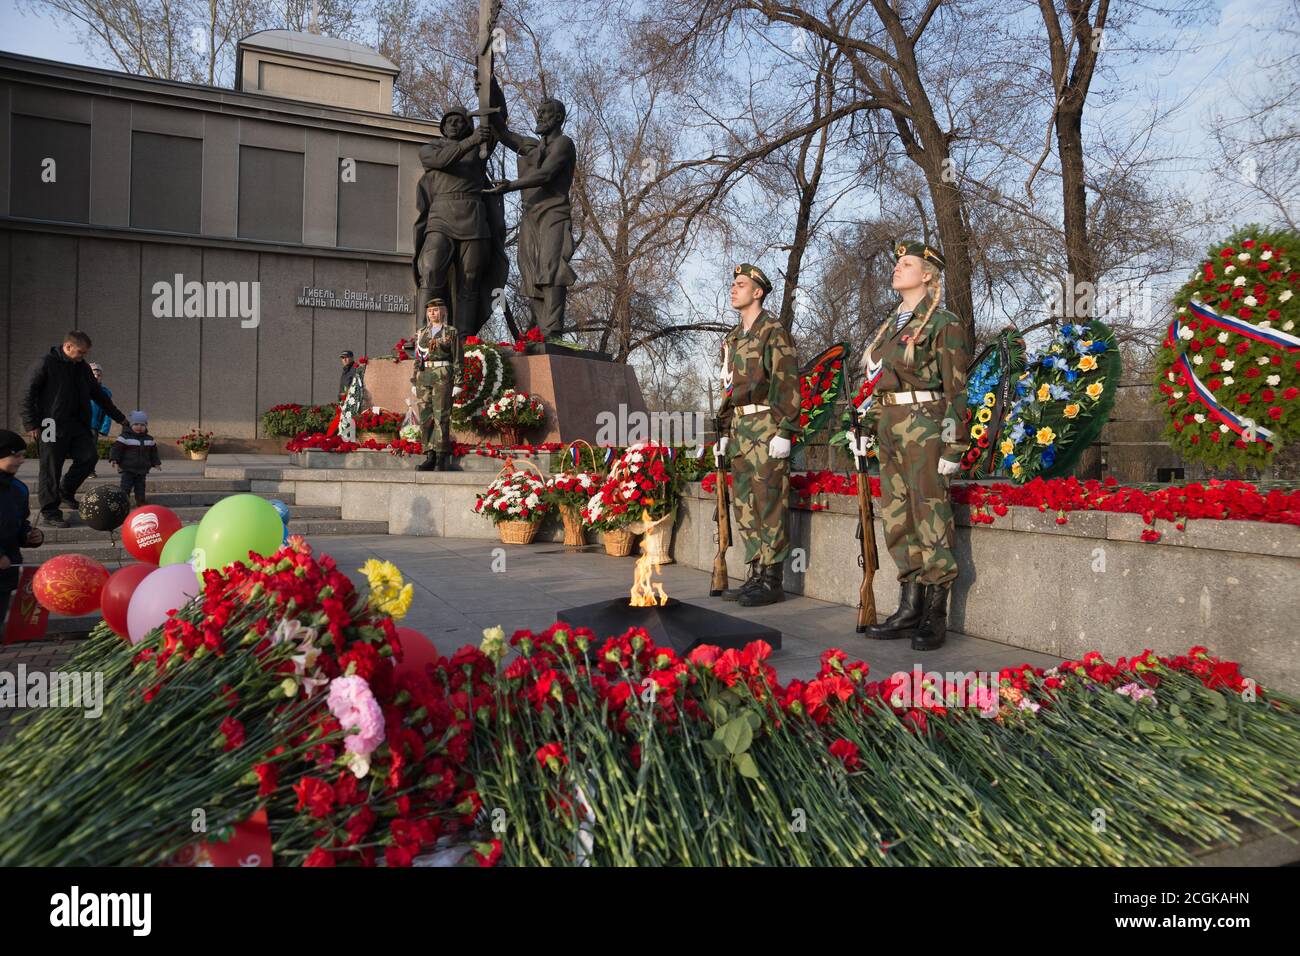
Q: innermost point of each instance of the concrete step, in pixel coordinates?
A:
(188, 515)
(109, 550)
(177, 500)
(160, 483)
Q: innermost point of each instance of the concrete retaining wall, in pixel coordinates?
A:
(1091, 584)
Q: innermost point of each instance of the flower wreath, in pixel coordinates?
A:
(484, 374)
(1228, 373)
(989, 385)
(820, 386)
(1062, 400)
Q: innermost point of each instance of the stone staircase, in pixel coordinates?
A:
(190, 499)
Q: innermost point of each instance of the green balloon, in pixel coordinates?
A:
(179, 546)
(233, 527)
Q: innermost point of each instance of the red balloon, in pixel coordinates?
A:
(117, 594)
(70, 584)
(146, 530)
(417, 650)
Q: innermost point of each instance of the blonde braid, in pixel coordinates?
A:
(934, 289)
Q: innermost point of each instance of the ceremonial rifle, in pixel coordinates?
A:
(868, 560)
(723, 513)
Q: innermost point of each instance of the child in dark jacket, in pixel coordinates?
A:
(16, 529)
(133, 454)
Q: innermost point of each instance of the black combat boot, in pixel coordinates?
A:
(755, 571)
(930, 633)
(447, 462)
(430, 462)
(910, 607)
(767, 590)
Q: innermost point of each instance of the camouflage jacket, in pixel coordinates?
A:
(759, 367)
(443, 347)
(940, 360)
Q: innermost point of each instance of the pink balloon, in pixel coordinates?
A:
(417, 650)
(164, 589)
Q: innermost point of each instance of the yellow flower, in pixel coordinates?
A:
(984, 414)
(1008, 447)
(977, 431)
(494, 643)
(1045, 436)
(1044, 392)
(1087, 363)
(990, 399)
(1094, 390)
(388, 593)
(1084, 344)
(1071, 410)
(1016, 469)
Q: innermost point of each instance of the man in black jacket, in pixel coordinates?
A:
(351, 370)
(56, 412)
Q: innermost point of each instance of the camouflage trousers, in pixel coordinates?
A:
(760, 489)
(915, 508)
(434, 389)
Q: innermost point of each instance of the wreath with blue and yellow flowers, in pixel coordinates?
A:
(1061, 402)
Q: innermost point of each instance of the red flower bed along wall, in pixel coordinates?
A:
(1223, 500)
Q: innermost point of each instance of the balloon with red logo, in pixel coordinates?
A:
(70, 584)
(417, 650)
(146, 530)
(117, 595)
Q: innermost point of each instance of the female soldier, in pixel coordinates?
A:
(438, 353)
(917, 408)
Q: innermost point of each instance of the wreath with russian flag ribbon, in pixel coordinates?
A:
(1228, 373)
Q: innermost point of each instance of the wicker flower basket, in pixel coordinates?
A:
(519, 532)
(618, 543)
(574, 534)
(199, 455)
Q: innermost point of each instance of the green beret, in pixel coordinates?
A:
(755, 273)
(914, 248)
(435, 301)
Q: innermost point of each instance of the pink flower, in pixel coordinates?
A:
(354, 706)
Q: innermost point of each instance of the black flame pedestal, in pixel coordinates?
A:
(675, 624)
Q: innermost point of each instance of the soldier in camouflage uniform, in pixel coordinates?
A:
(437, 372)
(917, 410)
(758, 420)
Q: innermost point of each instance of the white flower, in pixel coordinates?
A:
(1227, 365)
(1243, 257)
(1169, 375)
(1229, 270)
(1266, 324)
(1273, 379)
(1178, 394)
(1262, 360)
(1223, 428)
(1182, 308)
(1251, 300)
(1240, 280)
(1228, 380)
(1200, 419)
(1223, 337)
(1186, 333)
(1288, 325)
(1196, 360)
(1266, 254)
(1284, 295)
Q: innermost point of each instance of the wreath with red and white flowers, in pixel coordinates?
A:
(642, 482)
(484, 374)
(514, 410)
(1229, 371)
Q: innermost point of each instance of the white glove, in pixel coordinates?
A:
(778, 447)
(720, 448)
(456, 390)
(947, 467)
(872, 366)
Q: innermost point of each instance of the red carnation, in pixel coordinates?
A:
(315, 795)
(233, 731)
(848, 753)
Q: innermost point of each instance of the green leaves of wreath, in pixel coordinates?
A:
(484, 375)
(1060, 402)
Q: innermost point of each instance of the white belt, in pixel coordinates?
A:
(908, 398)
(753, 409)
(436, 364)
